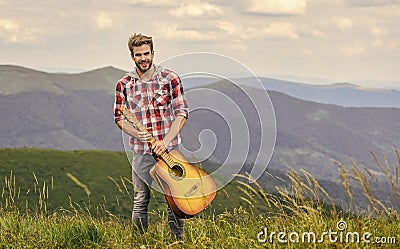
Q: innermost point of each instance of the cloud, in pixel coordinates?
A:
(235, 30)
(316, 33)
(280, 30)
(378, 43)
(153, 3)
(230, 31)
(371, 3)
(343, 24)
(276, 7)
(172, 32)
(354, 49)
(196, 9)
(276, 30)
(12, 31)
(378, 31)
(103, 21)
(350, 29)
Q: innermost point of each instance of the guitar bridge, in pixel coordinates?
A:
(192, 190)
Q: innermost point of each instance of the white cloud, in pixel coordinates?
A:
(196, 9)
(331, 29)
(172, 32)
(391, 46)
(277, 30)
(325, 1)
(12, 31)
(276, 7)
(371, 3)
(230, 32)
(394, 45)
(236, 31)
(317, 33)
(378, 31)
(378, 43)
(280, 30)
(307, 52)
(103, 21)
(354, 49)
(237, 46)
(153, 3)
(343, 23)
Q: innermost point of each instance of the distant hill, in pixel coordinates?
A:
(311, 135)
(14, 80)
(60, 111)
(74, 111)
(343, 94)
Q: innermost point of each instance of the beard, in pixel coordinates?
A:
(144, 65)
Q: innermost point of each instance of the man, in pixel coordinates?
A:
(155, 97)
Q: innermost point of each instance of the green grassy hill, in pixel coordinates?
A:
(44, 203)
(69, 176)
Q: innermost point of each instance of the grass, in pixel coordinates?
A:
(96, 180)
(297, 211)
(238, 229)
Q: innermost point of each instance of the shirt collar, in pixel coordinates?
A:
(134, 74)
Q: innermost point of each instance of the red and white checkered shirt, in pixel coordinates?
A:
(154, 103)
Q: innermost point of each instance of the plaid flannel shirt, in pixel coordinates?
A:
(154, 103)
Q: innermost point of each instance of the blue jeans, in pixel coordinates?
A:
(141, 165)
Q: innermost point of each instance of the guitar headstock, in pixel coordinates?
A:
(127, 114)
(130, 117)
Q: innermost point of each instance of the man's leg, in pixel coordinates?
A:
(140, 203)
(176, 224)
(141, 165)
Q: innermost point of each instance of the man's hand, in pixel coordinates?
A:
(159, 147)
(144, 136)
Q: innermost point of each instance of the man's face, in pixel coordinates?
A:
(143, 57)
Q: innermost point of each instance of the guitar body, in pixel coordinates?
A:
(187, 189)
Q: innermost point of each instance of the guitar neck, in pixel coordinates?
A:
(141, 128)
(132, 119)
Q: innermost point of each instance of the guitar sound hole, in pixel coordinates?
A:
(177, 171)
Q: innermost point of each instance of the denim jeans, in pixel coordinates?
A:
(141, 165)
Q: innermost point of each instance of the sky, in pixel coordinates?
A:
(312, 41)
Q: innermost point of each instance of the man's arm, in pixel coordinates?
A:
(127, 128)
(160, 146)
(133, 132)
(124, 125)
(180, 109)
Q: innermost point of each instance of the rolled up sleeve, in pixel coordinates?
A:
(179, 102)
(119, 100)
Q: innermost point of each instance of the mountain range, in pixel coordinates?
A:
(343, 94)
(74, 111)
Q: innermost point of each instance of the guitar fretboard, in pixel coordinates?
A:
(132, 119)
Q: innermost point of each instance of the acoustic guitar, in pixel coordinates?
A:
(188, 190)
